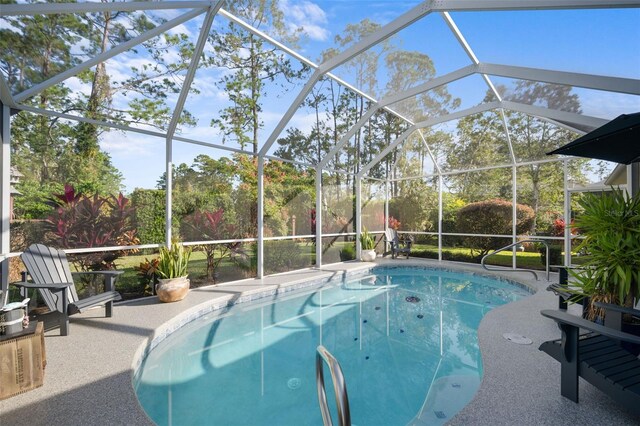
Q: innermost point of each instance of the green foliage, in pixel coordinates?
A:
(348, 252)
(283, 256)
(279, 256)
(451, 205)
(555, 254)
(146, 273)
(206, 225)
(611, 226)
(367, 242)
(491, 217)
(251, 64)
(413, 205)
(49, 151)
(173, 260)
(32, 203)
(149, 214)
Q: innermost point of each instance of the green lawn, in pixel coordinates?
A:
(530, 260)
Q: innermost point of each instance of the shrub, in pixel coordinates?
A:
(279, 256)
(426, 254)
(148, 214)
(147, 274)
(348, 252)
(282, 256)
(491, 217)
(81, 221)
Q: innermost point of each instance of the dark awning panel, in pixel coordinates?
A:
(618, 141)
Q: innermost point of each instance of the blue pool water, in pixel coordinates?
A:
(406, 339)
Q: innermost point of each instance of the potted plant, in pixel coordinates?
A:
(172, 268)
(367, 243)
(610, 224)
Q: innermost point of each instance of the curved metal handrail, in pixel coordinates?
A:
(339, 387)
(518, 270)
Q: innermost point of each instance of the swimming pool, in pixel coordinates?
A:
(406, 339)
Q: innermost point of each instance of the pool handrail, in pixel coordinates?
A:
(339, 387)
(519, 270)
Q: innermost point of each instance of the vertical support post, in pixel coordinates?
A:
(386, 211)
(440, 217)
(567, 215)
(318, 216)
(260, 217)
(563, 279)
(633, 179)
(386, 204)
(358, 215)
(569, 362)
(64, 317)
(514, 217)
(168, 191)
(5, 203)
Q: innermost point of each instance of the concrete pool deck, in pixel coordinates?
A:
(88, 378)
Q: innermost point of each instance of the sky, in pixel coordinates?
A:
(601, 42)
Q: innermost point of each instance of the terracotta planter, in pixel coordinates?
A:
(368, 255)
(172, 289)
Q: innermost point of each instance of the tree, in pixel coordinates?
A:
(481, 141)
(52, 151)
(210, 225)
(250, 63)
(491, 217)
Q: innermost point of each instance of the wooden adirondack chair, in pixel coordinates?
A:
(397, 246)
(49, 270)
(598, 356)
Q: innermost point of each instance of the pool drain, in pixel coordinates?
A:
(412, 299)
(294, 383)
(517, 338)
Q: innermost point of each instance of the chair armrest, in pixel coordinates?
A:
(618, 308)
(572, 320)
(56, 286)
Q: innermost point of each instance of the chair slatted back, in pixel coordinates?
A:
(391, 236)
(47, 265)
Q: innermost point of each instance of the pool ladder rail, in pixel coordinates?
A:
(339, 386)
(535, 274)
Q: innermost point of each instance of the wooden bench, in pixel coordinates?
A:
(597, 357)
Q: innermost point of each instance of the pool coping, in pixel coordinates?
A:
(88, 377)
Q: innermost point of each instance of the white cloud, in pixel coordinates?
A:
(606, 104)
(128, 145)
(308, 16)
(304, 122)
(77, 86)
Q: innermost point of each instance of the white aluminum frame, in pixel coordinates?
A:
(575, 122)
